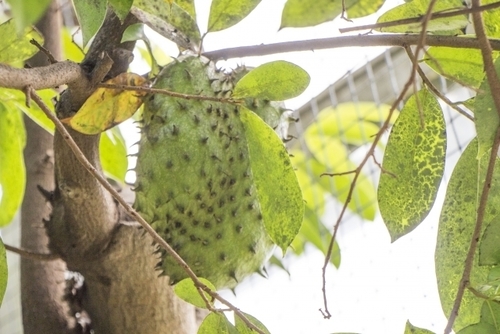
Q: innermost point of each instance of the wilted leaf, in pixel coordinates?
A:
(226, 13)
(444, 26)
(275, 81)
(244, 329)
(12, 169)
(278, 190)
(26, 13)
(91, 15)
(486, 115)
(187, 291)
(415, 156)
(4, 273)
(216, 323)
(16, 47)
(456, 226)
(108, 107)
(113, 154)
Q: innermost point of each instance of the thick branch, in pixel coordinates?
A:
(347, 41)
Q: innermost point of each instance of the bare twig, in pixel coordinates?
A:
(436, 91)
(347, 41)
(417, 19)
(157, 238)
(49, 55)
(492, 77)
(168, 92)
(32, 255)
(420, 44)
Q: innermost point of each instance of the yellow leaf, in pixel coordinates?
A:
(108, 107)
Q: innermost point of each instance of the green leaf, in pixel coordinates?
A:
(121, 7)
(486, 115)
(278, 190)
(4, 272)
(18, 99)
(17, 47)
(186, 290)
(107, 107)
(489, 248)
(490, 320)
(176, 22)
(216, 323)
(113, 154)
(410, 329)
(12, 169)
(456, 226)
(71, 50)
(416, 8)
(415, 156)
(226, 13)
(462, 65)
(491, 19)
(91, 15)
(479, 328)
(243, 328)
(27, 13)
(275, 81)
(362, 8)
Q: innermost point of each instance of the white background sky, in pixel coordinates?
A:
(379, 285)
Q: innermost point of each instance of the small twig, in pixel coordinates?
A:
(418, 19)
(382, 169)
(436, 91)
(32, 255)
(156, 237)
(49, 55)
(344, 11)
(169, 93)
(339, 174)
(493, 80)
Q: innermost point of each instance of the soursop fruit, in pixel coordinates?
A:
(194, 180)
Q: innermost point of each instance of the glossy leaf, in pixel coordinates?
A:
(416, 8)
(456, 226)
(486, 115)
(275, 81)
(17, 47)
(410, 329)
(278, 190)
(18, 99)
(4, 271)
(462, 65)
(121, 7)
(187, 291)
(12, 169)
(113, 154)
(415, 156)
(226, 13)
(216, 323)
(108, 107)
(90, 15)
(26, 13)
(173, 21)
(244, 329)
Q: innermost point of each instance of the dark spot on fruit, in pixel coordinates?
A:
(230, 127)
(234, 212)
(232, 198)
(167, 231)
(213, 194)
(186, 157)
(192, 237)
(214, 126)
(236, 110)
(239, 228)
(205, 242)
(203, 205)
(207, 225)
(168, 217)
(204, 140)
(223, 182)
(209, 109)
(168, 240)
(196, 223)
(231, 159)
(246, 174)
(190, 213)
(219, 112)
(198, 196)
(151, 98)
(196, 119)
(226, 116)
(232, 182)
(259, 216)
(221, 203)
(232, 274)
(181, 105)
(210, 209)
(251, 206)
(170, 164)
(222, 256)
(183, 231)
(210, 184)
(219, 236)
(175, 130)
(226, 146)
(214, 157)
(180, 208)
(252, 249)
(242, 156)
(178, 224)
(248, 192)
(177, 247)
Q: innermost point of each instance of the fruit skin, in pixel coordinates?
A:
(194, 181)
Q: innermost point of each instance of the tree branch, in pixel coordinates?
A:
(32, 255)
(347, 41)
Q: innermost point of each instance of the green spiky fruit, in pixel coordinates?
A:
(194, 179)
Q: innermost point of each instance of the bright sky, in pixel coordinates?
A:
(379, 285)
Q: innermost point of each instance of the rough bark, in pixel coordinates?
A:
(42, 283)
